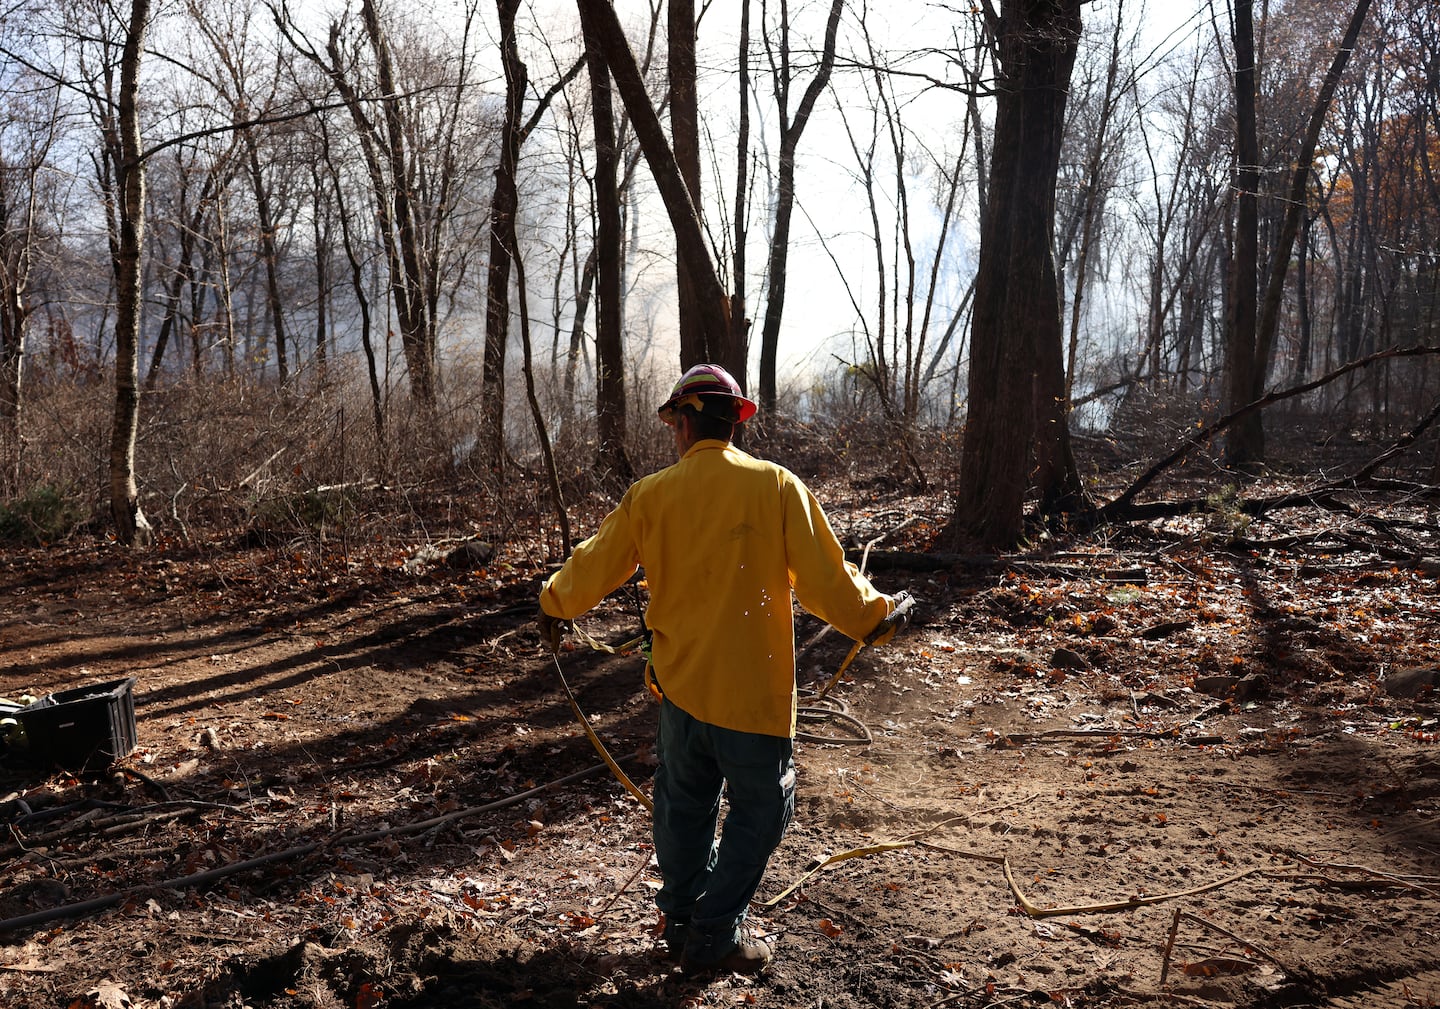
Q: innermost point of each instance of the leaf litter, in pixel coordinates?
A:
(1144, 767)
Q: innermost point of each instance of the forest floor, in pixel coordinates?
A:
(1188, 762)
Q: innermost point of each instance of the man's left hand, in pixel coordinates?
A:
(894, 623)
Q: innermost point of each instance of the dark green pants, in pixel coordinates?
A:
(710, 882)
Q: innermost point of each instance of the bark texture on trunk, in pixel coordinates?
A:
(503, 206)
(609, 340)
(738, 351)
(685, 136)
(1016, 436)
(601, 24)
(131, 526)
(417, 326)
(1252, 349)
(1245, 445)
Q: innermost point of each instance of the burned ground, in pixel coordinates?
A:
(1192, 762)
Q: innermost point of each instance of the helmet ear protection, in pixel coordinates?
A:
(702, 382)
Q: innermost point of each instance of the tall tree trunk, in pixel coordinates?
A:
(13, 314)
(322, 230)
(1302, 304)
(265, 219)
(1093, 198)
(685, 136)
(131, 526)
(225, 295)
(1254, 322)
(503, 206)
(737, 358)
(216, 178)
(1245, 442)
(357, 285)
(552, 472)
(417, 329)
(914, 383)
(577, 325)
(1295, 205)
(790, 134)
(18, 228)
(600, 23)
(609, 339)
(504, 248)
(183, 273)
(1016, 436)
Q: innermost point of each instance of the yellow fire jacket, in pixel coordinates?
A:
(723, 538)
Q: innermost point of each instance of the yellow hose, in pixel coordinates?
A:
(623, 778)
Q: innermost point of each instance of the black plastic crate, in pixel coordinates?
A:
(84, 728)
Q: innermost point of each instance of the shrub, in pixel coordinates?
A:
(320, 511)
(42, 515)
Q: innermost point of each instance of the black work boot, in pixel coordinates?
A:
(734, 949)
(677, 929)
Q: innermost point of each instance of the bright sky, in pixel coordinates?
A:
(833, 257)
(834, 290)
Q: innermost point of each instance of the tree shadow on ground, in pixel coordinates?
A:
(477, 743)
(418, 965)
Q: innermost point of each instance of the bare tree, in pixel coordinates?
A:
(600, 22)
(895, 347)
(1094, 185)
(1016, 434)
(783, 74)
(1252, 325)
(1179, 223)
(27, 136)
(737, 359)
(414, 154)
(123, 150)
(685, 137)
(609, 346)
(356, 262)
(189, 225)
(504, 206)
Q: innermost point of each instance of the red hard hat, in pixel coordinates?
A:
(708, 380)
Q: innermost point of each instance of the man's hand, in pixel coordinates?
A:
(895, 622)
(552, 629)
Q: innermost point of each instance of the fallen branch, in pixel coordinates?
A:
(1035, 911)
(904, 560)
(93, 823)
(1171, 998)
(1123, 507)
(84, 907)
(1246, 944)
(1018, 738)
(913, 840)
(820, 866)
(1169, 947)
(1428, 886)
(600, 914)
(977, 856)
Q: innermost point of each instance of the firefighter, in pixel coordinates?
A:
(724, 538)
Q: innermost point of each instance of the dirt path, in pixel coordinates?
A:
(1224, 721)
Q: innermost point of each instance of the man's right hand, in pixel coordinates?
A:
(552, 629)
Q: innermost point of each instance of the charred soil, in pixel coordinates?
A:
(1187, 763)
